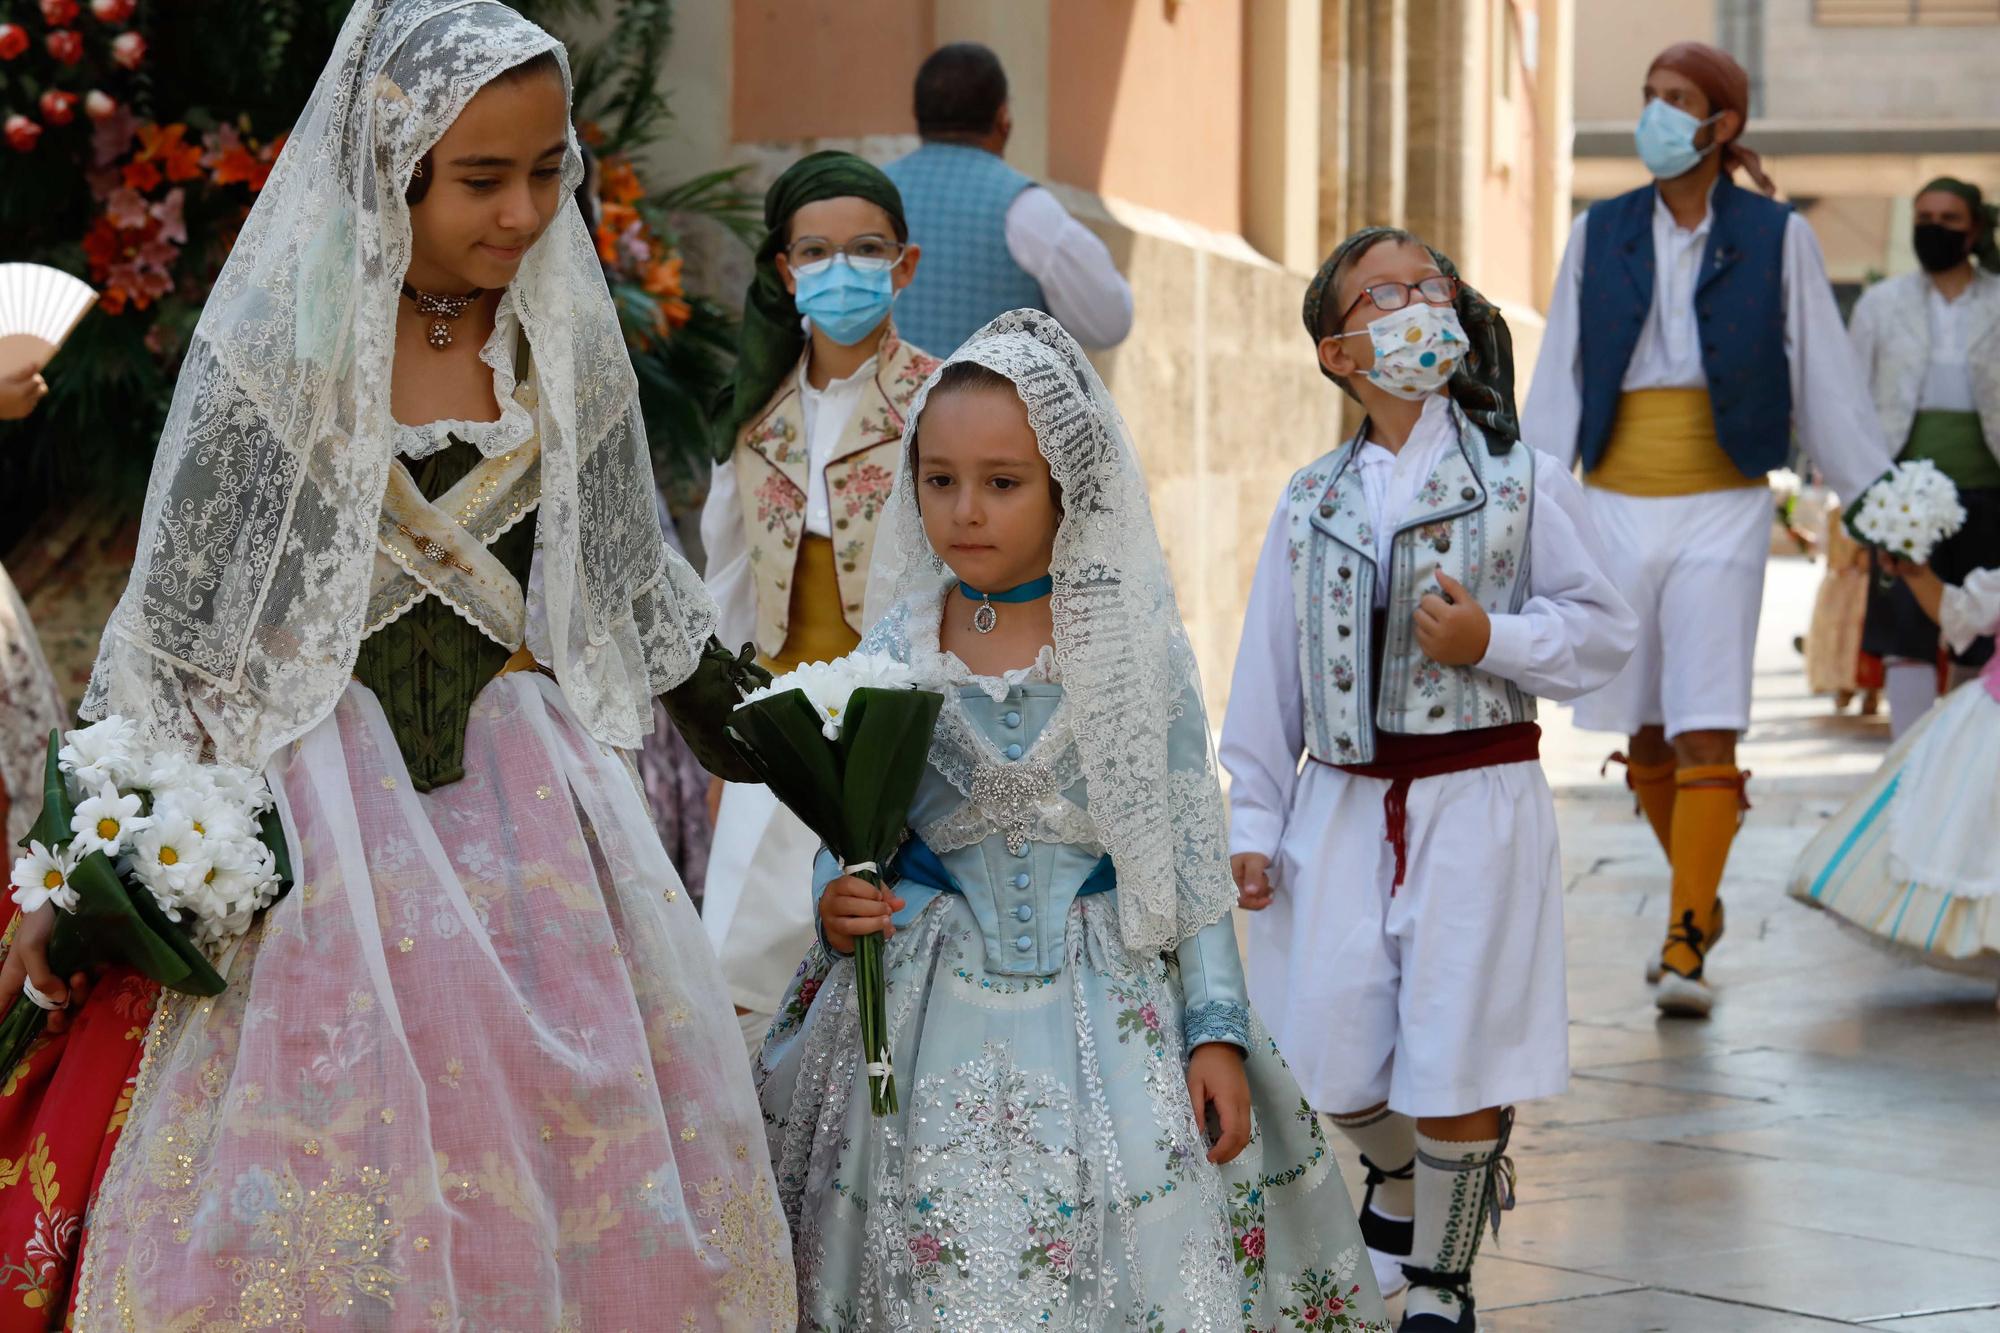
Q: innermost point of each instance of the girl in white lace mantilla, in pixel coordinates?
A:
(1096, 1133)
(1909, 861)
(474, 1070)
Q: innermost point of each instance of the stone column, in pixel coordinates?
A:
(1281, 129)
(1555, 100)
(1378, 110)
(1336, 77)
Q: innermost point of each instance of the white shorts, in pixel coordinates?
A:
(758, 902)
(1448, 997)
(1692, 567)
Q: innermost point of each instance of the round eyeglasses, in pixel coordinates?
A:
(1387, 296)
(865, 254)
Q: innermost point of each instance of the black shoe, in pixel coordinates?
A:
(1387, 1234)
(1467, 1322)
(1459, 1285)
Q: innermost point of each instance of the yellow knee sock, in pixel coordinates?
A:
(1655, 788)
(1708, 806)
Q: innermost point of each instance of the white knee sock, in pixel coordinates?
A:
(1450, 1198)
(1912, 689)
(1388, 1139)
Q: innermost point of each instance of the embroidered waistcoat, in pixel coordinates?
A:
(1470, 519)
(773, 470)
(1739, 309)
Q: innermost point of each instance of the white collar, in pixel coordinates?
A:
(1665, 216)
(862, 373)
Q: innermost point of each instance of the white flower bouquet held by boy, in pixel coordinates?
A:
(843, 745)
(150, 859)
(1909, 511)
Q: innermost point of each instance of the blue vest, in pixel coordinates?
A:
(1739, 308)
(956, 200)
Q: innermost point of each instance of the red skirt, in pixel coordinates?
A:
(61, 1109)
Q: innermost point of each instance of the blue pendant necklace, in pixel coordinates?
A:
(986, 619)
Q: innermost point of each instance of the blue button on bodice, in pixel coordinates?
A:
(1022, 880)
(1013, 751)
(1025, 943)
(1011, 718)
(1024, 913)
(1022, 850)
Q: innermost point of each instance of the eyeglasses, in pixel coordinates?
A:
(865, 254)
(1387, 296)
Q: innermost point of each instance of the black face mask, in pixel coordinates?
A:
(1940, 248)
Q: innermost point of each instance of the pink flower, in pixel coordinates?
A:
(158, 253)
(925, 1248)
(59, 13)
(1335, 1305)
(1059, 1252)
(58, 107)
(1253, 1242)
(1149, 1016)
(126, 208)
(99, 105)
(112, 11)
(112, 139)
(173, 229)
(1310, 1314)
(13, 40)
(65, 46)
(22, 134)
(807, 990)
(128, 51)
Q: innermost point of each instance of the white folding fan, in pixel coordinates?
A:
(38, 308)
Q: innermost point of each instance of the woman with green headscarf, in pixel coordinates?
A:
(812, 426)
(1930, 340)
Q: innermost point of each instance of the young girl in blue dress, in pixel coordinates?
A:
(1095, 1131)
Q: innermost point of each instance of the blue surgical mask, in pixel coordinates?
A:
(1665, 138)
(843, 302)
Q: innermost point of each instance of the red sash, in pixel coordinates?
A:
(1401, 760)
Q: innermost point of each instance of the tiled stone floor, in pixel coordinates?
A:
(1824, 1152)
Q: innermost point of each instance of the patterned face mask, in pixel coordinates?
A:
(1416, 349)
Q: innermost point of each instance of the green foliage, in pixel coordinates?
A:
(247, 67)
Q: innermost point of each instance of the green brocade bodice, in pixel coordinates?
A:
(429, 664)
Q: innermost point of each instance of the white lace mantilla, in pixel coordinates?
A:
(1132, 712)
(249, 594)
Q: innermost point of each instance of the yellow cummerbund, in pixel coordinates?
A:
(815, 630)
(1663, 443)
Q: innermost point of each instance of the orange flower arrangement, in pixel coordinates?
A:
(632, 251)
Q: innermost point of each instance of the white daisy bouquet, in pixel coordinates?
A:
(148, 858)
(843, 744)
(1909, 511)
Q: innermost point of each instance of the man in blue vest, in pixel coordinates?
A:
(993, 240)
(1692, 332)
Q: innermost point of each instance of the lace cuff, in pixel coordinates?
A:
(1217, 1020)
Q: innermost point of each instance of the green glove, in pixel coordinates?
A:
(701, 704)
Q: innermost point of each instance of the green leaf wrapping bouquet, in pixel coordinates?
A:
(149, 859)
(844, 744)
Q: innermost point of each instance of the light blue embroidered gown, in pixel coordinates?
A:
(1046, 1170)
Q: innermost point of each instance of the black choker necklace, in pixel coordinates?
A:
(441, 310)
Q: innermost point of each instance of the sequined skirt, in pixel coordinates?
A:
(473, 1072)
(1046, 1170)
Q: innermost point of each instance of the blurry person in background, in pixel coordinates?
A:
(1692, 331)
(993, 240)
(1929, 342)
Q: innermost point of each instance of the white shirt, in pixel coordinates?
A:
(827, 412)
(1571, 636)
(729, 578)
(1390, 481)
(1947, 383)
(1085, 290)
(1831, 409)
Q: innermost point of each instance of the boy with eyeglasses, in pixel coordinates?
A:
(1692, 334)
(1417, 587)
(803, 467)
